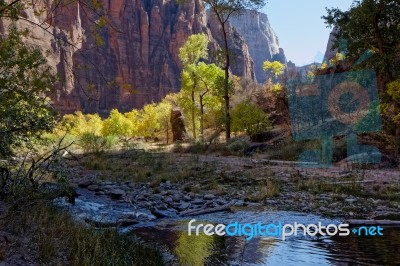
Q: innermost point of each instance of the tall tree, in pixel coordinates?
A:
(208, 76)
(373, 25)
(223, 10)
(25, 78)
(370, 25)
(194, 49)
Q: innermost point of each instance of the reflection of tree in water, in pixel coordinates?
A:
(375, 250)
(215, 250)
(200, 250)
(255, 251)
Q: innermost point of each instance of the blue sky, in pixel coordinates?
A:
(301, 31)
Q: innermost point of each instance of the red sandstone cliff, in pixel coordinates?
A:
(137, 61)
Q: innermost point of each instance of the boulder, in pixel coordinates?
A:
(117, 193)
(178, 125)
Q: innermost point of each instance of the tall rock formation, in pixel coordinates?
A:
(260, 38)
(131, 61)
(330, 52)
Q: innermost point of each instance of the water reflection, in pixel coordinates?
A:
(299, 250)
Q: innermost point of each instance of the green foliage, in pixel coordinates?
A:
(222, 10)
(164, 114)
(369, 25)
(276, 67)
(94, 143)
(204, 86)
(201, 83)
(393, 90)
(25, 111)
(239, 144)
(11, 10)
(248, 117)
(149, 123)
(194, 49)
(117, 124)
(78, 124)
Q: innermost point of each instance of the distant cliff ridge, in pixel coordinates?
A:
(261, 39)
(137, 61)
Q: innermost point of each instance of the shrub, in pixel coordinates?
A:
(248, 117)
(239, 144)
(93, 143)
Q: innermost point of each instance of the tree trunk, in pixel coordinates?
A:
(167, 133)
(226, 86)
(201, 119)
(193, 116)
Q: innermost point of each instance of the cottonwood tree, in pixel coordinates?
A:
(208, 77)
(223, 10)
(194, 49)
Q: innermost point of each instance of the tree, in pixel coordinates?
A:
(25, 78)
(194, 49)
(117, 124)
(370, 25)
(149, 123)
(248, 116)
(371, 29)
(164, 114)
(208, 75)
(276, 67)
(203, 83)
(223, 10)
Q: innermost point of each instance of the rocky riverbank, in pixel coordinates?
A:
(147, 201)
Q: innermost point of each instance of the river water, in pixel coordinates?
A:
(193, 250)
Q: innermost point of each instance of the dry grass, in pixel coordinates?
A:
(55, 239)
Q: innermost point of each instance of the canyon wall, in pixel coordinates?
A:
(261, 39)
(125, 54)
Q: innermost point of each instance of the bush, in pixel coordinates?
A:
(239, 144)
(196, 148)
(248, 117)
(93, 143)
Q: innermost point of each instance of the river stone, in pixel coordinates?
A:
(162, 206)
(209, 197)
(187, 198)
(117, 193)
(93, 188)
(183, 206)
(176, 198)
(350, 200)
(127, 222)
(163, 214)
(198, 202)
(85, 183)
(168, 200)
(164, 193)
(221, 202)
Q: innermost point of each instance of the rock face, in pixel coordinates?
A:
(260, 38)
(178, 125)
(241, 61)
(330, 52)
(131, 61)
